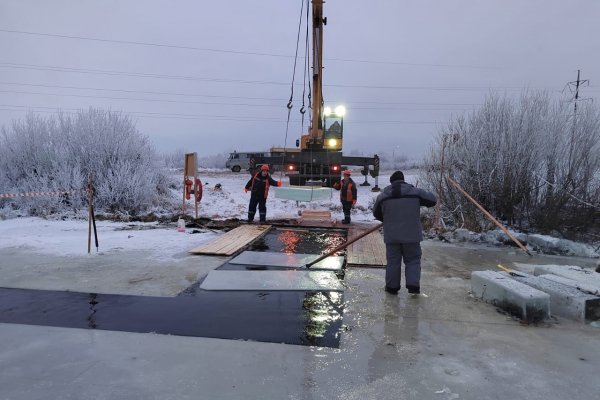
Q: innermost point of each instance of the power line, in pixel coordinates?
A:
(204, 102)
(240, 81)
(144, 114)
(149, 44)
(38, 67)
(136, 99)
(237, 52)
(140, 91)
(226, 97)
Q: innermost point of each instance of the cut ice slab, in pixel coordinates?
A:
(303, 193)
(284, 260)
(312, 281)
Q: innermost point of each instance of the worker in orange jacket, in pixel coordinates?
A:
(258, 186)
(347, 189)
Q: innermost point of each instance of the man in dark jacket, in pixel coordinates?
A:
(259, 191)
(398, 207)
(347, 189)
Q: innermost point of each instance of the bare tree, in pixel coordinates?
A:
(526, 160)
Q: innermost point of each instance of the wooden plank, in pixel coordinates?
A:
(315, 215)
(231, 241)
(366, 252)
(234, 240)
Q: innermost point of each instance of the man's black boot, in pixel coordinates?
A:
(413, 289)
(391, 291)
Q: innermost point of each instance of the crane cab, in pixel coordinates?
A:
(330, 133)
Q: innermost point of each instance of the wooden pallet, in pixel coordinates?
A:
(231, 242)
(366, 252)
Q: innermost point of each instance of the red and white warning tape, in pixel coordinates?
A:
(34, 194)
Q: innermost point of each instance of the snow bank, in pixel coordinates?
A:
(535, 242)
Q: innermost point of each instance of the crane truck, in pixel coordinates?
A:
(317, 158)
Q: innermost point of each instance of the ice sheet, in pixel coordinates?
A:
(284, 260)
(303, 193)
(291, 280)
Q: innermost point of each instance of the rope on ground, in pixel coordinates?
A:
(35, 194)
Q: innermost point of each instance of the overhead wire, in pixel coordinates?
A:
(278, 99)
(238, 52)
(202, 102)
(38, 67)
(208, 116)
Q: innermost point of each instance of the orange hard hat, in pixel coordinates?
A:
(347, 172)
(264, 168)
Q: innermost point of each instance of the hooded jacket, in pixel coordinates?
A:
(398, 207)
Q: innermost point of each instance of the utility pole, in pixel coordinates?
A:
(574, 87)
(577, 84)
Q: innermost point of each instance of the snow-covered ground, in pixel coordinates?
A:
(69, 237)
(232, 202)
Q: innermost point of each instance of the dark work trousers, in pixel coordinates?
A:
(346, 206)
(261, 202)
(411, 254)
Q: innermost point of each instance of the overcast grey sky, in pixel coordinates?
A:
(222, 81)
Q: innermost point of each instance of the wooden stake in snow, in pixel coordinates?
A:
(91, 217)
(90, 213)
(487, 214)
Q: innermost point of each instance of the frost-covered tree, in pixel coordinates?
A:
(526, 160)
(60, 153)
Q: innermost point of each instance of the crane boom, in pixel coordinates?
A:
(316, 128)
(318, 157)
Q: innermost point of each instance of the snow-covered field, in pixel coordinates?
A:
(68, 237)
(232, 202)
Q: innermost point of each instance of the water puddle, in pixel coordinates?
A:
(291, 317)
(312, 319)
(290, 240)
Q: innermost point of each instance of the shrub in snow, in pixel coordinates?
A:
(60, 152)
(528, 161)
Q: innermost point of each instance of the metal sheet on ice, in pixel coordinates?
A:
(291, 280)
(284, 260)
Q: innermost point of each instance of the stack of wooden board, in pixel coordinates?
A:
(316, 215)
(233, 241)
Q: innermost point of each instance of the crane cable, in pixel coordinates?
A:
(307, 75)
(306, 72)
(290, 102)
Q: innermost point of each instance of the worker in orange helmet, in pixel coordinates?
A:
(258, 186)
(347, 189)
